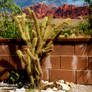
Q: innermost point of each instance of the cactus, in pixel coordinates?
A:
(39, 46)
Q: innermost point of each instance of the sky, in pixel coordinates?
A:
(74, 2)
(23, 3)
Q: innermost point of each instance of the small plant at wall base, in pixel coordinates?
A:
(39, 46)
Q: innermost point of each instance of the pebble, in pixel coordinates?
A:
(54, 89)
(61, 91)
(65, 86)
(49, 90)
(43, 91)
(20, 90)
(11, 91)
(50, 83)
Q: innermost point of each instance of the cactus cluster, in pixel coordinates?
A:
(39, 46)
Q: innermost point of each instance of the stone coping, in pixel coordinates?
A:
(18, 40)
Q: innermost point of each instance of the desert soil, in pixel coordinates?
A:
(58, 20)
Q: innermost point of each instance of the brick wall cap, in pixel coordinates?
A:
(8, 40)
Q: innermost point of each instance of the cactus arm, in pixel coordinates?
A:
(32, 80)
(59, 25)
(47, 50)
(43, 26)
(31, 55)
(49, 20)
(37, 29)
(21, 56)
(31, 13)
(34, 33)
(25, 29)
(48, 47)
(29, 64)
(27, 33)
(47, 34)
(34, 43)
(39, 67)
(20, 27)
(48, 29)
(66, 21)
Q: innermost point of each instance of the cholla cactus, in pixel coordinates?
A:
(39, 46)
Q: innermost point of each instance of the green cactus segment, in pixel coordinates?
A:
(39, 46)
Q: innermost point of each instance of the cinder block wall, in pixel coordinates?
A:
(71, 60)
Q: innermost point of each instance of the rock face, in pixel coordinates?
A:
(51, 11)
(40, 9)
(64, 11)
(71, 11)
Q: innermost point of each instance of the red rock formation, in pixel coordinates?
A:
(52, 6)
(51, 11)
(63, 11)
(40, 9)
(71, 11)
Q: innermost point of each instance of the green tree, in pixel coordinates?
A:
(8, 29)
(9, 5)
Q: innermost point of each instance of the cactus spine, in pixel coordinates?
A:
(38, 47)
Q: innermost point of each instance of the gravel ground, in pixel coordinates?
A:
(78, 88)
(82, 88)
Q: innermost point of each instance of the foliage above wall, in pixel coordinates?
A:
(8, 28)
